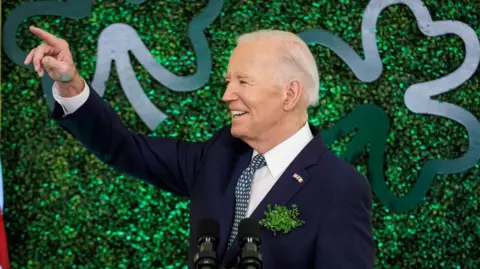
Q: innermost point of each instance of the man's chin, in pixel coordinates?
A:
(238, 132)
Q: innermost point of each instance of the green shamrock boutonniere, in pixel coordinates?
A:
(281, 219)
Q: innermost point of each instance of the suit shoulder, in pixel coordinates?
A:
(344, 179)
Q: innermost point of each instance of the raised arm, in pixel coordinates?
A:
(167, 163)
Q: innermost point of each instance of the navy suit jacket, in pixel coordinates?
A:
(334, 200)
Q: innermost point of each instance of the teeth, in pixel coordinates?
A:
(238, 112)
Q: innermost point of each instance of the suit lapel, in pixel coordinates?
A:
(281, 193)
(287, 186)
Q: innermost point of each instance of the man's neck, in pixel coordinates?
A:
(277, 135)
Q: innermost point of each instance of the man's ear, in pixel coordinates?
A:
(294, 95)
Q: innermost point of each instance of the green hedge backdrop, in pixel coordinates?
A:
(65, 209)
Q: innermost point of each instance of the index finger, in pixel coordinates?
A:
(46, 36)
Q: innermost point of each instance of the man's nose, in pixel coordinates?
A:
(229, 94)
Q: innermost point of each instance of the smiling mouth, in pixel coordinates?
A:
(238, 114)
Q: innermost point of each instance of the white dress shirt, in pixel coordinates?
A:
(71, 104)
(277, 159)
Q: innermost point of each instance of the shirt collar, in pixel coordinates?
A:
(280, 157)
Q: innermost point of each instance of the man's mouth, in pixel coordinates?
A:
(238, 113)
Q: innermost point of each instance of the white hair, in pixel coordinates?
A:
(296, 59)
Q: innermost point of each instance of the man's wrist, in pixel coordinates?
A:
(72, 88)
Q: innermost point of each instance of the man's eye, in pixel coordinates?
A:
(243, 82)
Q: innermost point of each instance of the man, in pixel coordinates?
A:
(269, 155)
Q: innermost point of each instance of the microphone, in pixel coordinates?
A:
(207, 240)
(249, 235)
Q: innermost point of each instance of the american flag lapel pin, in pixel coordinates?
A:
(298, 178)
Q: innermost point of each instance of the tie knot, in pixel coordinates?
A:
(258, 162)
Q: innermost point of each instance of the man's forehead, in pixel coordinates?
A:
(246, 55)
(247, 68)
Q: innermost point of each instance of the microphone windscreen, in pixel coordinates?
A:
(209, 227)
(249, 227)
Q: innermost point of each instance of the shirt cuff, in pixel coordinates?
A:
(71, 104)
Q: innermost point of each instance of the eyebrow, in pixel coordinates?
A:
(240, 75)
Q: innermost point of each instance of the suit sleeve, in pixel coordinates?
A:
(345, 240)
(166, 163)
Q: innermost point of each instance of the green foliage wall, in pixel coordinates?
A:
(65, 209)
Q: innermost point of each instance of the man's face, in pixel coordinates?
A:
(253, 94)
